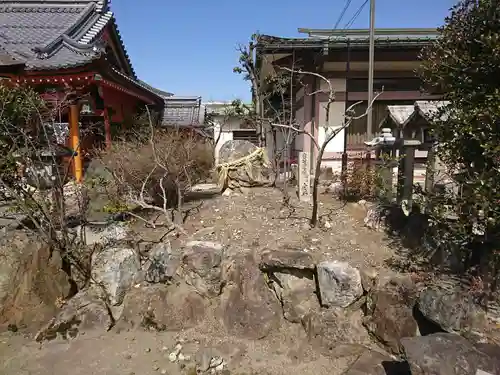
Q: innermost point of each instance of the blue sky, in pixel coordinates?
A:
(189, 47)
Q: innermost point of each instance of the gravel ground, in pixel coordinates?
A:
(259, 220)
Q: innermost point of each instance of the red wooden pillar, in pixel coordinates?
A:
(107, 122)
(74, 129)
(107, 128)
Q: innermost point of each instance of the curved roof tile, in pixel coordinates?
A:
(37, 32)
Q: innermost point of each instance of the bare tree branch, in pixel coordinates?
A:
(349, 117)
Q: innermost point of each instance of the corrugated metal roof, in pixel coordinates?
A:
(182, 110)
(332, 38)
(353, 34)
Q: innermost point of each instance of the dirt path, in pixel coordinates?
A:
(257, 221)
(144, 353)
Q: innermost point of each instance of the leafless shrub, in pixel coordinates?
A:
(154, 171)
(360, 182)
(33, 174)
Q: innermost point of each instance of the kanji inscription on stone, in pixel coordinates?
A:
(304, 179)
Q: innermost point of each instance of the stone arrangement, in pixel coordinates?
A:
(387, 321)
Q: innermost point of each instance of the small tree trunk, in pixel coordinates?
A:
(178, 219)
(275, 158)
(317, 172)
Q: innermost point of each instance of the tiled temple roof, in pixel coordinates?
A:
(60, 34)
(55, 34)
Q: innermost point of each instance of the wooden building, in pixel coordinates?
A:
(63, 47)
(342, 57)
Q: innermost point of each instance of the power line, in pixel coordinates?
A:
(355, 15)
(342, 14)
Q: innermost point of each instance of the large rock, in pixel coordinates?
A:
(162, 307)
(253, 173)
(292, 276)
(339, 283)
(375, 218)
(336, 332)
(234, 150)
(272, 260)
(369, 277)
(451, 309)
(296, 290)
(248, 307)
(374, 363)
(115, 271)
(36, 284)
(14, 245)
(105, 235)
(82, 313)
(390, 310)
(201, 266)
(446, 354)
(161, 264)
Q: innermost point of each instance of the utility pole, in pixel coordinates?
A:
(371, 63)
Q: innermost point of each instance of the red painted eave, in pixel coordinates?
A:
(82, 78)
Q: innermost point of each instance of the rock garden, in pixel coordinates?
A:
(250, 289)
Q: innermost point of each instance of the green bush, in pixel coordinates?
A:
(464, 64)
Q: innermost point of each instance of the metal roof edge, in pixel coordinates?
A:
(175, 97)
(268, 42)
(381, 31)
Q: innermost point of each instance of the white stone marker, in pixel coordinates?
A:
(304, 179)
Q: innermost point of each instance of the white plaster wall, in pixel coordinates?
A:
(224, 137)
(336, 120)
(299, 139)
